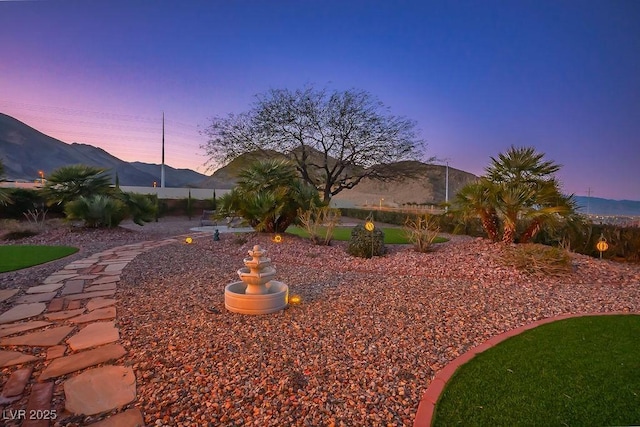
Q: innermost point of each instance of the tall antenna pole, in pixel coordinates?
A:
(162, 167)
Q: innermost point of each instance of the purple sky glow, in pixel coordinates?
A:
(477, 76)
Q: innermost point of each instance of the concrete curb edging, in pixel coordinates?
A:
(427, 405)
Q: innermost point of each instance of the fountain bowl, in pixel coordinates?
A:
(237, 301)
(257, 279)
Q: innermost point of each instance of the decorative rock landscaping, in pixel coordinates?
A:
(361, 348)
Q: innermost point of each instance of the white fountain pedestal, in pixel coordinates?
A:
(256, 293)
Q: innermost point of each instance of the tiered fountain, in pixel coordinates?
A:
(257, 293)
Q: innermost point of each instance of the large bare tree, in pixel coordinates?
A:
(334, 138)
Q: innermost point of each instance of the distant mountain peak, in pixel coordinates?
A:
(25, 151)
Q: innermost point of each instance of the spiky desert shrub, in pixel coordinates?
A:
(421, 230)
(538, 260)
(366, 244)
(319, 222)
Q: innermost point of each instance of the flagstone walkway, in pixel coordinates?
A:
(73, 315)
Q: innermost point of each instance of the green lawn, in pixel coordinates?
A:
(582, 371)
(391, 235)
(15, 257)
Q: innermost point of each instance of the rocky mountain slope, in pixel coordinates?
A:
(25, 151)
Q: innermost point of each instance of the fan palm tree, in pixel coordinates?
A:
(70, 182)
(518, 189)
(478, 199)
(520, 164)
(268, 195)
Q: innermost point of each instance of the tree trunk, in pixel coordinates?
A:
(490, 226)
(509, 235)
(326, 196)
(530, 232)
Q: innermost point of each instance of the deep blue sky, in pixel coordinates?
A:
(477, 76)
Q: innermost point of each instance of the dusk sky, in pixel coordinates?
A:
(477, 76)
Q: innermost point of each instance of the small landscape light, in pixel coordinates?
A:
(188, 240)
(277, 238)
(369, 226)
(602, 245)
(295, 299)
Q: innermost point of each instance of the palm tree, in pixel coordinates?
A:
(551, 208)
(520, 164)
(518, 189)
(478, 199)
(268, 195)
(70, 182)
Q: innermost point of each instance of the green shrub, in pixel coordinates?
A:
(96, 211)
(140, 208)
(366, 244)
(538, 260)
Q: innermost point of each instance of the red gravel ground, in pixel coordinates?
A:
(361, 348)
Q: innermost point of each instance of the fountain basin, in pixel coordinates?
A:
(237, 300)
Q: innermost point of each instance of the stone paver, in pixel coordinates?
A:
(26, 299)
(100, 303)
(74, 305)
(44, 288)
(88, 295)
(75, 362)
(94, 335)
(61, 315)
(102, 287)
(9, 358)
(22, 311)
(72, 287)
(116, 267)
(105, 279)
(17, 382)
(39, 400)
(129, 418)
(10, 329)
(99, 314)
(99, 390)
(46, 338)
(55, 304)
(56, 351)
(5, 294)
(59, 277)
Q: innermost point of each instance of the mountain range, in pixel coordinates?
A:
(25, 151)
